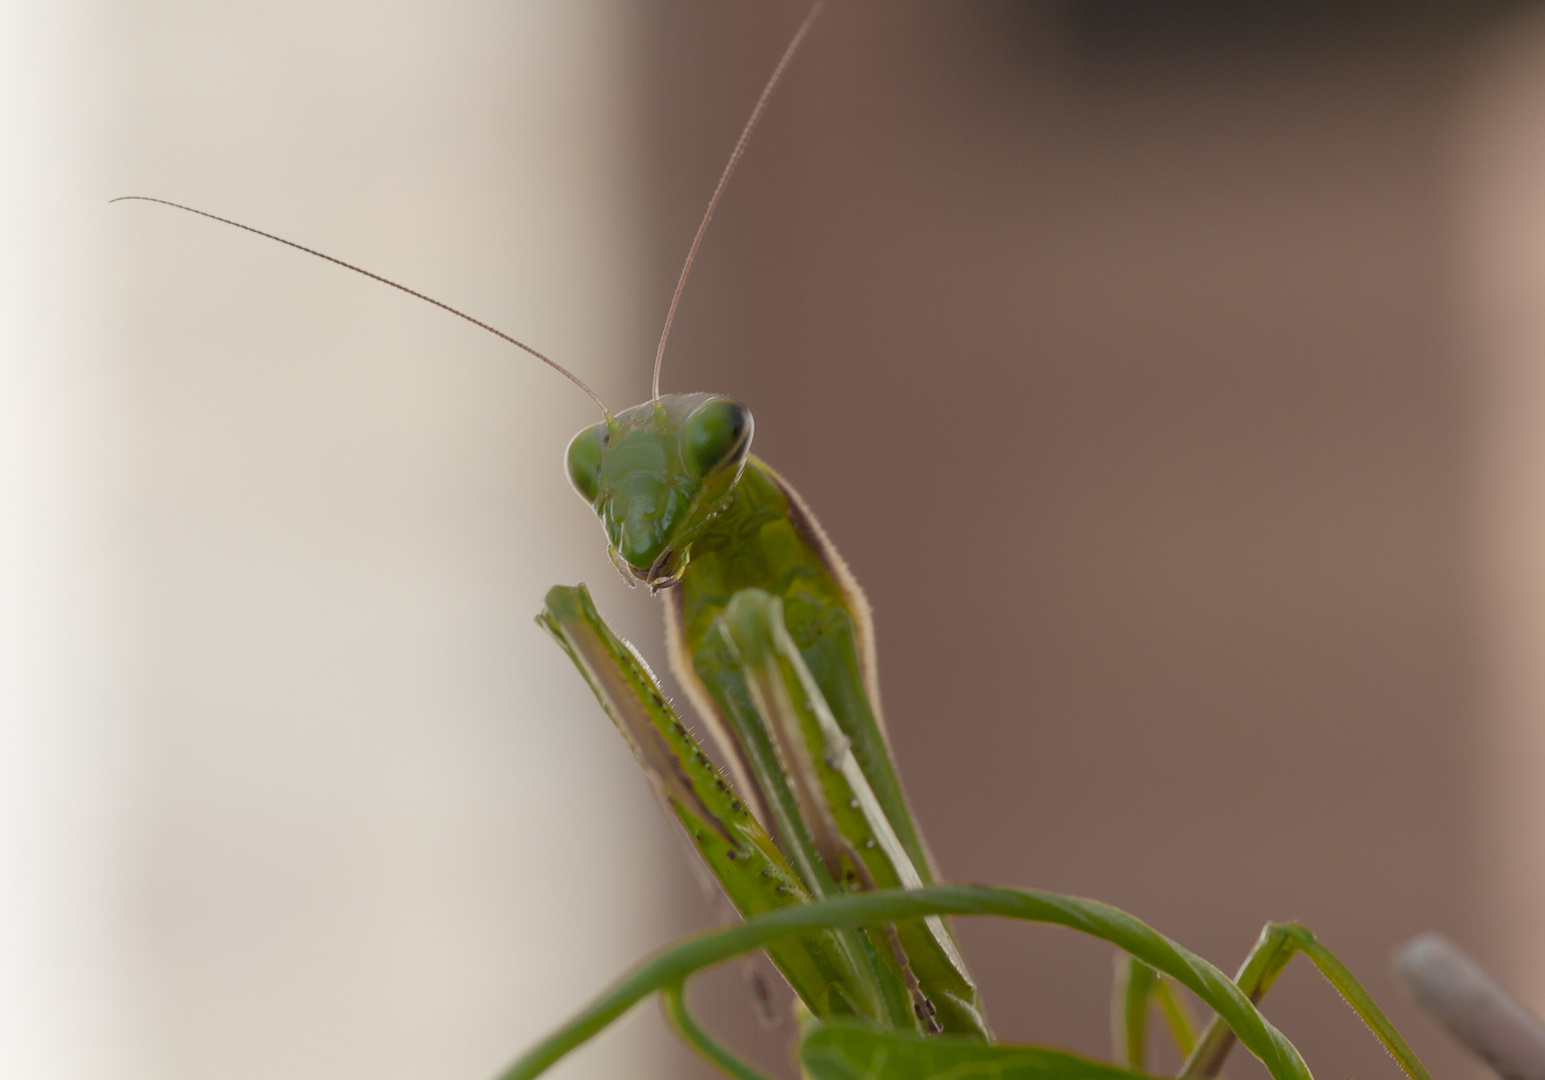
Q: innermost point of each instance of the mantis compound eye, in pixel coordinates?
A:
(717, 433)
(583, 460)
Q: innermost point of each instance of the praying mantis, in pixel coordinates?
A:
(772, 638)
(870, 983)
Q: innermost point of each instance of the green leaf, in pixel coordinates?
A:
(673, 965)
(850, 1050)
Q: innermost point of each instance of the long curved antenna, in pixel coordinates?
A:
(724, 178)
(559, 368)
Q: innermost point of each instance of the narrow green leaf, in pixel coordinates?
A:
(897, 905)
(1129, 1025)
(848, 1050)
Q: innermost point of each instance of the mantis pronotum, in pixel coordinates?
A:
(823, 852)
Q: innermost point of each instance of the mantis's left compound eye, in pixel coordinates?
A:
(717, 431)
(583, 460)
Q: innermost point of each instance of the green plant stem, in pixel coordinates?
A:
(1181, 1027)
(1129, 1035)
(673, 999)
(1277, 945)
(673, 966)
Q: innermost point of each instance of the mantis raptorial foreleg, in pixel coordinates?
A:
(832, 971)
(852, 833)
(833, 834)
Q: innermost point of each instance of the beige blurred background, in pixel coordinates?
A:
(313, 795)
(1172, 375)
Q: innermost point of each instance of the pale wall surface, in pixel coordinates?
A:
(294, 787)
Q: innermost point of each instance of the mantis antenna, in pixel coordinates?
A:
(559, 368)
(724, 179)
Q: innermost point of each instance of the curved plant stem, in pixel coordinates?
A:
(672, 966)
(1129, 1029)
(673, 999)
(1278, 944)
(1181, 1027)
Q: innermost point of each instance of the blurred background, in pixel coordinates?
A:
(1171, 375)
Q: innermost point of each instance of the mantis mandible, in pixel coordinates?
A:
(811, 836)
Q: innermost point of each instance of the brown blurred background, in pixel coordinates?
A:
(1129, 354)
(1172, 376)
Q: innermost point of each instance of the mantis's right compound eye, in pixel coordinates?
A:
(583, 460)
(714, 434)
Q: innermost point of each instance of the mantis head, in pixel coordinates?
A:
(658, 473)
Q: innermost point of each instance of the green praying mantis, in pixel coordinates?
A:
(810, 834)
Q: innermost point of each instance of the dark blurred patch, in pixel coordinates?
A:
(1121, 27)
